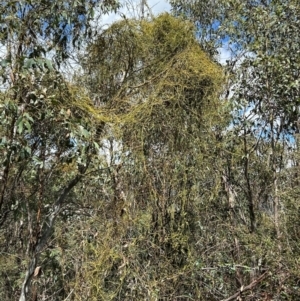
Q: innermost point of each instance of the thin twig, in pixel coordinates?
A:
(69, 295)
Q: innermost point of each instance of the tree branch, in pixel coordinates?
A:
(46, 234)
(248, 287)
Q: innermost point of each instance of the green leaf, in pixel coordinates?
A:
(20, 125)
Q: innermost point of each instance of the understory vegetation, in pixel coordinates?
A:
(136, 166)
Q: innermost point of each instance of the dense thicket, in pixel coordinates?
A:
(153, 172)
(263, 67)
(48, 139)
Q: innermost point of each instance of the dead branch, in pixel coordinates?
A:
(248, 287)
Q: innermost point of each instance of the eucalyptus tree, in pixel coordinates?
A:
(264, 63)
(47, 139)
(263, 73)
